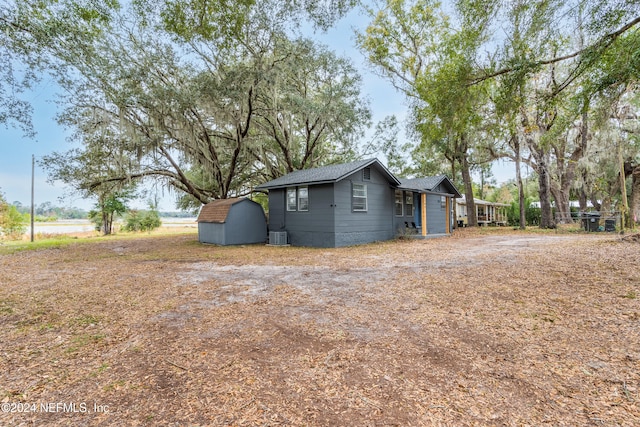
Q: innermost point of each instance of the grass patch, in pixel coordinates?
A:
(36, 318)
(49, 326)
(102, 368)
(6, 307)
(114, 385)
(630, 295)
(11, 247)
(58, 241)
(84, 340)
(86, 320)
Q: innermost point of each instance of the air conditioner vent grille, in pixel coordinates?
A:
(278, 238)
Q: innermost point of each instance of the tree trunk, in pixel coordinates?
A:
(523, 214)
(567, 169)
(106, 225)
(472, 219)
(634, 206)
(563, 207)
(540, 155)
(546, 214)
(582, 195)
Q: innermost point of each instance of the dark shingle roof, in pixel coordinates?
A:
(325, 174)
(427, 184)
(217, 210)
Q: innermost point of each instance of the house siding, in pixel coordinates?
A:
(277, 209)
(436, 215)
(354, 228)
(400, 222)
(314, 227)
(331, 221)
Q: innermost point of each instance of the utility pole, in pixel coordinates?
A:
(33, 173)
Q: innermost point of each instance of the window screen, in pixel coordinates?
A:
(359, 197)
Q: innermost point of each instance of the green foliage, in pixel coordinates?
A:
(208, 98)
(415, 46)
(206, 115)
(95, 216)
(142, 220)
(262, 199)
(494, 78)
(225, 21)
(209, 20)
(43, 35)
(532, 214)
(109, 206)
(12, 222)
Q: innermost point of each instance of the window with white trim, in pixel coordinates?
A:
(303, 199)
(292, 203)
(443, 202)
(359, 197)
(409, 202)
(399, 207)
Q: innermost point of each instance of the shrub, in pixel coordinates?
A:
(142, 220)
(12, 222)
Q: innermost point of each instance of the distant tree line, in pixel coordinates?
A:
(46, 211)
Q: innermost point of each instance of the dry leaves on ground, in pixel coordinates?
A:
(482, 329)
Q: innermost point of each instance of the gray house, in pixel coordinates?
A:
(232, 222)
(355, 203)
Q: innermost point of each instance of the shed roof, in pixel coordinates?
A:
(217, 210)
(428, 184)
(326, 174)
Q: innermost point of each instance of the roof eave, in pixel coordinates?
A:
(391, 177)
(294, 184)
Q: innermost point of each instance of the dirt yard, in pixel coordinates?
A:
(500, 329)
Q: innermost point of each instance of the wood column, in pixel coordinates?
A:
(423, 213)
(448, 209)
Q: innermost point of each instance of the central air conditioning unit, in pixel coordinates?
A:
(278, 238)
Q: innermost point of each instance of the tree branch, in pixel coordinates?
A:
(602, 44)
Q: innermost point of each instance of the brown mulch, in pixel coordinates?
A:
(502, 328)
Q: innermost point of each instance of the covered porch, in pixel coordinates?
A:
(487, 213)
(433, 202)
(434, 214)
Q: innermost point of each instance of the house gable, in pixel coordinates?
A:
(353, 226)
(435, 184)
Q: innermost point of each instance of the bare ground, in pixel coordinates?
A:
(480, 329)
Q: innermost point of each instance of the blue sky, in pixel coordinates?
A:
(16, 150)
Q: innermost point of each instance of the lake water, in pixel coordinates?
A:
(66, 226)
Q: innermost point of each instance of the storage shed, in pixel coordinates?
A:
(236, 221)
